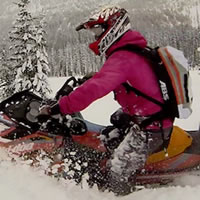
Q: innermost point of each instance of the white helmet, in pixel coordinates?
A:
(108, 25)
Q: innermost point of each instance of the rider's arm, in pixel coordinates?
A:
(111, 75)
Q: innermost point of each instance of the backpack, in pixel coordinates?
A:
(172, 71)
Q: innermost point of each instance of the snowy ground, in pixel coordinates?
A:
(21, 182)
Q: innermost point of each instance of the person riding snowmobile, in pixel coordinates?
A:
(112, 30)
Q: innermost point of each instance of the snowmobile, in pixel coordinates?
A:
(23, 132)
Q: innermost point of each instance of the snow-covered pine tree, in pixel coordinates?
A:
(43, 69)
(6, 74)
(29, 57)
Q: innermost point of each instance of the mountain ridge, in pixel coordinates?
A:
(162, 22)
(63, 15)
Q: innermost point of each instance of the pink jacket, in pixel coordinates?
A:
(120, 67)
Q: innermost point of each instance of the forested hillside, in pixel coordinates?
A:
(162, 22)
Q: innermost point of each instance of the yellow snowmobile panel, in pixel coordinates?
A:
(179, 141)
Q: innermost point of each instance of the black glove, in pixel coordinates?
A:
(55, 109)
(47, 111)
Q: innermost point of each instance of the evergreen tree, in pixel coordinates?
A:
(29, 56)
(42, 67)
(6, 72)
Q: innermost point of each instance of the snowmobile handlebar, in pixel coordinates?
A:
(67, 88)
(71, 83)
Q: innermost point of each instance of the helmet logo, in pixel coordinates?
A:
(118, 29)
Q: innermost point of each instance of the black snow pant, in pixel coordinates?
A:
(130, 147)
(130, 156)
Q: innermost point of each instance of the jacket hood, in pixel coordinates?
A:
(129, 38)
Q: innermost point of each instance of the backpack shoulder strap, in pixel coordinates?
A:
(139, 93)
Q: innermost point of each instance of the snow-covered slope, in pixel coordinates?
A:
(20, 182)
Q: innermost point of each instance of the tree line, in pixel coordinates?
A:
(71, 55)
(54, 48)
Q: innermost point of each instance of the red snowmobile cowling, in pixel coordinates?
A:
(182, 159)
